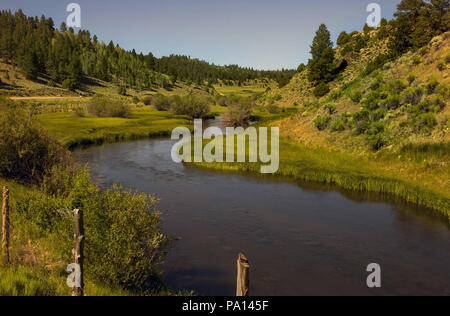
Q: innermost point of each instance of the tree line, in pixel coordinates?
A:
(189, 69)
(66, 57)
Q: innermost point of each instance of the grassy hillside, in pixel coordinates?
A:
(404, 119)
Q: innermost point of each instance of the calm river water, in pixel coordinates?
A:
(300, 239)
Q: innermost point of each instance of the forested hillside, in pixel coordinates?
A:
(66, 58)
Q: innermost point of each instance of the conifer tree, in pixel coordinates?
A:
(321, 65)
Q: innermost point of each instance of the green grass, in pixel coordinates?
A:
(76, 131)
(301, 163)
(241, 91)
(31, 281)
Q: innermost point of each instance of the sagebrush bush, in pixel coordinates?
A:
(322, 122)
(105, 107)
(356, 96)
(331, 108)
(337, 126)
(321, 90)
(392, 102)
(412, 96)
(432, 84)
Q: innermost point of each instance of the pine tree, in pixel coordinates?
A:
(321, 42)
(29, 65)
(321, 65)
(63, 27)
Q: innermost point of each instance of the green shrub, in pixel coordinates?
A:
(447, 58)
(379, 61)
(322, 123)
(331, 108)
(372, 101)
(441, 66)
(431, 85)
(136, 100)
(192, 105)
(361, 121)
(80, 111)
(443, 90)
(335, 95)
(417, 60)
(375, 135)
(161, 102)
(147, 100)
(121, 90)
(411, 78)
(377, 83)
(70, 84)
(239, 112)
(337, 126)
(321, 90)
(378, 114)
(412, 96)
(273, 109)
(437, 103)
(125, 245)
(426, 122)
(393, 102)
(27, 152)
(396, 86)
(104, 107)
(376, 141)
(356, 96)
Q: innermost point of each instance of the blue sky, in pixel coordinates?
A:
(263, 34)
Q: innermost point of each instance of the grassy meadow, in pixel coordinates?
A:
(76, 131)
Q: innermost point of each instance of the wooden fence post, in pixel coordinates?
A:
(78, 247)
(243, 276)
(5, 226)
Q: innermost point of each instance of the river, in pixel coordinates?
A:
(300, 239)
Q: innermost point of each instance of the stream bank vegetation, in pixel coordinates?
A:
(125, 244)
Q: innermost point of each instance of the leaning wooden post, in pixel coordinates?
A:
(5, 226)
(78, 247)
(243, 276)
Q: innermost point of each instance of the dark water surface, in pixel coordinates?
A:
(300, 240)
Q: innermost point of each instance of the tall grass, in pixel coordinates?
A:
(301, 163)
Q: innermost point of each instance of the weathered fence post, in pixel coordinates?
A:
(78, 247)
(243, 276)
(5, 226)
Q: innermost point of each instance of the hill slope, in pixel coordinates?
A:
(405, 101)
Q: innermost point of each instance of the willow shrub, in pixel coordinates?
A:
(105, 107)
(27, 152)
(124, 245)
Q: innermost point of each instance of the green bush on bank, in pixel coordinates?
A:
(27, 152)
(105, 107)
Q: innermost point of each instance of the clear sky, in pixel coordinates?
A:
(263, 34)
